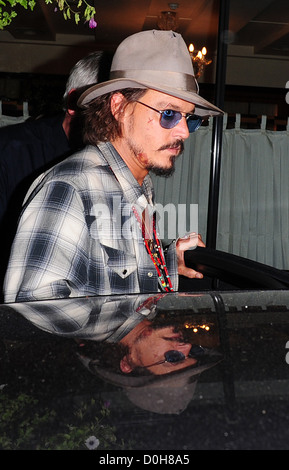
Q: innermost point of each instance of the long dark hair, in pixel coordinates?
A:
(99, 123)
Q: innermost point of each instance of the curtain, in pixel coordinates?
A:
(253, 218)
(6, 120)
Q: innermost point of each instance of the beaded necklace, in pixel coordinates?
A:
(154, 249)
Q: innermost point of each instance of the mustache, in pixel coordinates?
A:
(176, 144)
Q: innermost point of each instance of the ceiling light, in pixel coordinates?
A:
(168, 20)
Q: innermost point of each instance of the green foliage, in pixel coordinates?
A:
(77, 10)
(25, 424)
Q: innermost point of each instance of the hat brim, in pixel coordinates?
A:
(125, 380)
(203, 107)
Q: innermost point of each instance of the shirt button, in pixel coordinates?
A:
(150, 274)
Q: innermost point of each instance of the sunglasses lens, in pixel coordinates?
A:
(196, 351)
(170, 118)
(194, 123)
(174, 356)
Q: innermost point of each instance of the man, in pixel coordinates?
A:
(29, 148)
(88, 227)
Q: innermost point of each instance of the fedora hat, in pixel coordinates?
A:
(162, 394)
(157, 60)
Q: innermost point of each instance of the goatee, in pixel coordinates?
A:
(166, 172)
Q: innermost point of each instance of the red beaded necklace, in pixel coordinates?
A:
(154, 249)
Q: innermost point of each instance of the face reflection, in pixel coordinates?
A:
(150, 346)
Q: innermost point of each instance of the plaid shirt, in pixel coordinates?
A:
(77, 235)
(95, 318)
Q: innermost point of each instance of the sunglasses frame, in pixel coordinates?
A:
(196, 351)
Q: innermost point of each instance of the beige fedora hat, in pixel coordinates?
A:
(164, 394)
(153, 59)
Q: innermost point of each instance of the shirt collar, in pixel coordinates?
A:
(134, 193)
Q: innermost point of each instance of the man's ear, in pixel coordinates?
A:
(115, 104)
(125, 366)
(71, 104)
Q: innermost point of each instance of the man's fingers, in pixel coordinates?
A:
(189, 241)
(191, 273)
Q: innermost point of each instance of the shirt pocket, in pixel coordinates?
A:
(120, 262)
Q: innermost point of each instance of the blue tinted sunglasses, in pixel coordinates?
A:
(175, 357)
(170, 118)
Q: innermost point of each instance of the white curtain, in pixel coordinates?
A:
(253, 219)
(6, 120)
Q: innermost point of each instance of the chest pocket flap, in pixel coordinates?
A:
(121, 262)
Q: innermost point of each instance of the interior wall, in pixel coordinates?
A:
(42, 57)
(36, 72)
(246, 69)
(243, 67)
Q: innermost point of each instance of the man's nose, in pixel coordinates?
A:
(183, 347)
(181, 129)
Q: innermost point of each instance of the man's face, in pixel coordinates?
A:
(146, 145)
(149, 346)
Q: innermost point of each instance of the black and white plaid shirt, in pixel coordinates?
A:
(108, 318)
(78, 236)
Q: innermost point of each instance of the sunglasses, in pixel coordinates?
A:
(175, 357)
(170, 118)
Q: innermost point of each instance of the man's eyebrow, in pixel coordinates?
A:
(165, 105)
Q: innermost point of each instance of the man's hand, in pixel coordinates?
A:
(182, 244)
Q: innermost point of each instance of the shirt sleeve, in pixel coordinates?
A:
(49, 253)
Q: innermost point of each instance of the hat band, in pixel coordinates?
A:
(177, 80)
